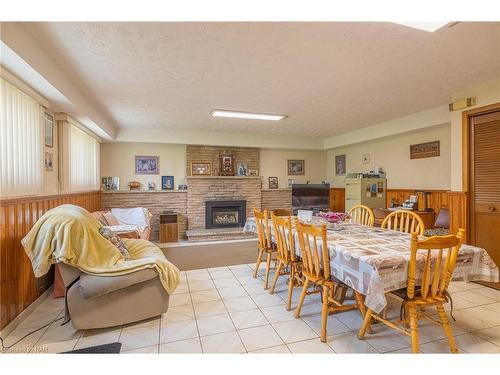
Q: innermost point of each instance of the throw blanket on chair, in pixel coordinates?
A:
(132, 216)
(69, 234)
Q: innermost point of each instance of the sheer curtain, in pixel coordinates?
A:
(81, 160)
(21, 143)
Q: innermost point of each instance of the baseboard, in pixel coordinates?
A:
(7, 330)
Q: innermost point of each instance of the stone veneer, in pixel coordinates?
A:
(273, 199)
(204, 188)
(246, 155)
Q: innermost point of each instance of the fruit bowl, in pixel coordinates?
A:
(334, 217)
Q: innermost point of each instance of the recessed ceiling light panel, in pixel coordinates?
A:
(426, 26)
(247, 115)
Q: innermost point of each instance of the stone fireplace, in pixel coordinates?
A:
(225, 214)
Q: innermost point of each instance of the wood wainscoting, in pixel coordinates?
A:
(18, 286)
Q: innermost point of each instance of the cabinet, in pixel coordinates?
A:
(169, 228)
(366, 191)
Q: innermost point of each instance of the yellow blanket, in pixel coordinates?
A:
(69, 234)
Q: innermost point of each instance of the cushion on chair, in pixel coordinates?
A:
(115, 240)
(91, 286)
(110, 219)
(436, 232)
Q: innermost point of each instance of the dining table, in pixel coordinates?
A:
(374, 261)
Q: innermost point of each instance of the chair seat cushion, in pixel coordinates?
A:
(91, 286)
(436, 232)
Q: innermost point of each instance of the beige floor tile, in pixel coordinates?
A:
(25, 344)
(462, 286)
(259, 337)
(39, 318)
(490, 334)
(98, 337)
(294, 330)
(312, 346)
(51, 304)
(333, 325)
(176, 314)
(472, 343)
(179, 299)
(275, 314)
(144, 323)
(476, 318)
(489, 292)
(189, 346)
(493, 307)
(475, 297)
(153, 349)
(351, 319)
(280, 349)
(266, 300)
(139, 337)
(211, 325)
(248, 319)
(205, 296)
(349, 343)
(201, 285)
(200, 271)
(226, 282)
(384, 340)
(58, 333)
(254, 289)
(222, 273)
(239, 304)
(436, 347)
(176, 331)
(228, 342)
(198, 277)
(209, 308)
(54, 347)
(232, 292)
(181, 288)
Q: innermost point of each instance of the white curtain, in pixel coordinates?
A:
(83, 160)
(21, 143)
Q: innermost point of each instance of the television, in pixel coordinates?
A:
(315, 197)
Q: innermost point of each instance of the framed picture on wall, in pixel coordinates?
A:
(296, 167)
(242, 169)
(49, 129)
(147, 165)
(201, 168)
(340, 165)
(49, 161)
(273, 182)
(167, 182)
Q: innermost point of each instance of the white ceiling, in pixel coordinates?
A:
(329, 78)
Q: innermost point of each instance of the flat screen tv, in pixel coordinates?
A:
(314, 197)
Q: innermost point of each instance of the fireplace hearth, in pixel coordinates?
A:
(225, 214)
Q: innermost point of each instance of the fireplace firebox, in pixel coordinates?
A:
(225, 214)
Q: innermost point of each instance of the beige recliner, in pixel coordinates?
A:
(107, 301)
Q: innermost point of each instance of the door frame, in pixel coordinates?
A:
(467, 166)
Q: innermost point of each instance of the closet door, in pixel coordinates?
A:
(485, 183)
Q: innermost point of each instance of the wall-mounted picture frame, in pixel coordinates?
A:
(273, 182)
(340, 165)
(201, 168)
(241, 169)
(151, 186)
(49, 161)
(290, 182)
(147, 164)
(167, 183)
(253, 172)
(425, 150)
(296, 167)
(365, 158)
(110, 183)
(49, 130)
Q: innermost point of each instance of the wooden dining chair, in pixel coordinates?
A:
(288, 262)
(281, 212)
(264, 244)
(437, 257)
(404, 221)
(361, 214)
(316, 270)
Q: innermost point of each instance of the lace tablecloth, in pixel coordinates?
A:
(374, 261)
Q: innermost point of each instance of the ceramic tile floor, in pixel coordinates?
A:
(226, 310)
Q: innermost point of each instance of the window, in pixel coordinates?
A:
(80, 159)
(21, 143)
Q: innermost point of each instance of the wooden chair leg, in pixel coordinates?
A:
(275, 278)
(366, 324)
(301, 298)
(447, 329)
(268, 268)
(358, 297)
(257, 264)
(291, 283)
(412, 310)
(324, 313)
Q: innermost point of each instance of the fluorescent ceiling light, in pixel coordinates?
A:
(426, 26)
(247, 115)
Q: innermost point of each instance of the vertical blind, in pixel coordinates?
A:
(82, 160)
(21, 143)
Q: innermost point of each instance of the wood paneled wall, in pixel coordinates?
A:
(18, 286)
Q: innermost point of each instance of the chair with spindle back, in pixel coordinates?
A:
(264, 244)
(316, 270)
(438, 256)
(281, 212)
(404, 221)
(288, 263)
(361, 214)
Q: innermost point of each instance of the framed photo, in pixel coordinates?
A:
(365, 158)
(425, 150)
(49, 130)
(201, 168)
(167, 182)
(49, 161)
(253, 172)
(290, 182)
(241, 169)
(296, 167)
(273, 182)
(340, 165)
(110, 183)
(147, 165)
(151, 186)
